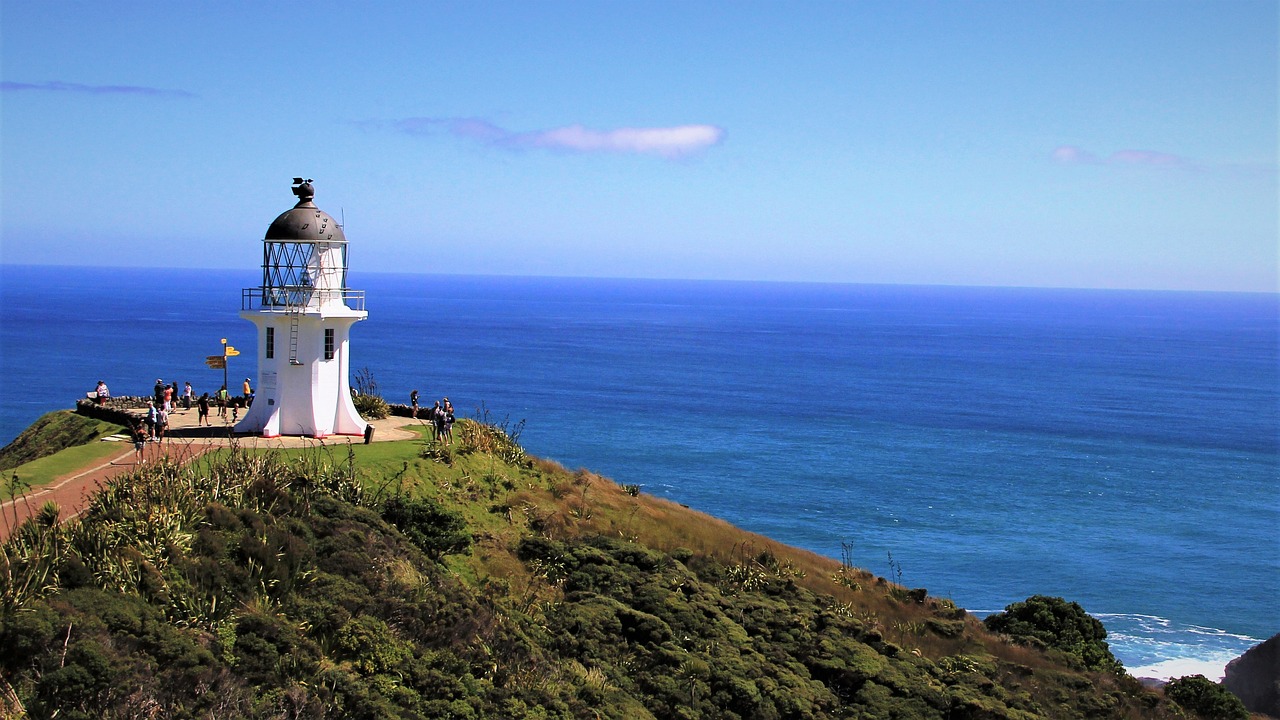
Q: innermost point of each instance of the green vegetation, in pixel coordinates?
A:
(371, 407)
(435, 530)
(409, 580)
(1054, 623)
(56, 445)
(364, 393)
(1206, 698)
(52, 433)
(47, 469)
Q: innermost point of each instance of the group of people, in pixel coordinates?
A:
(164, 401)
(155, 423)
(166, 396)
(441, 417)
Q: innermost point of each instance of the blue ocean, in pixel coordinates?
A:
(1118, 448)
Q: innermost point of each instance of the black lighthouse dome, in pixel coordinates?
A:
(305, 222)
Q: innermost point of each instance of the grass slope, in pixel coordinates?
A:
(56, 444)
(273, 585)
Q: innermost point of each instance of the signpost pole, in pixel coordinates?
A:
(224, 366)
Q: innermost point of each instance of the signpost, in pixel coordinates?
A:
(220, 361)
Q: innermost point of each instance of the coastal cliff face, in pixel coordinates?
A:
(1255, 678)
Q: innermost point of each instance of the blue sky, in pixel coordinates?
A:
(1066, 144)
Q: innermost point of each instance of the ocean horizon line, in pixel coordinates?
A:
(692, 280)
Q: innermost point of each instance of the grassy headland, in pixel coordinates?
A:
(54, 445)
(407, 579)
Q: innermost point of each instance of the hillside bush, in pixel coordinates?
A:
(429, 525)
(1206, 698)
(1052, 622)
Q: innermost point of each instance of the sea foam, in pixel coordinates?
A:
(1156, 647)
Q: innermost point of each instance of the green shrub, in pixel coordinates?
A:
(371, 647)
(371, 407)
(1206, 698)
(1053, 622)
(432, 527)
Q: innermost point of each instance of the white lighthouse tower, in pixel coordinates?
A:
(303, 312)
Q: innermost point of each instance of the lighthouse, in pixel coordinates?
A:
(303, 312)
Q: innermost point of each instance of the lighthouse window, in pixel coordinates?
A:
(328, 344)
(271, 342)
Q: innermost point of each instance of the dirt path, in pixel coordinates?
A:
(72, 491)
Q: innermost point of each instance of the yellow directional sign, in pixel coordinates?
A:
(231, 352)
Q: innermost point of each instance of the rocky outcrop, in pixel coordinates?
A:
(1254, 677)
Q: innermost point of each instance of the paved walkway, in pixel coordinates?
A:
(182, 427)
(185, 441)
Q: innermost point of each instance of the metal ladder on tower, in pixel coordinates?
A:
(293, 337)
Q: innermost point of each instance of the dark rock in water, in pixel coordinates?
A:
(1254, 677)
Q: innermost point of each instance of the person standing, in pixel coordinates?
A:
(448, 421)
(157, 393)
(248, 393)
(168, 397)
(202, 408)
(437, 420)
(187, 395)
(162, 424)
(139, 435)
(150, 419)
(102, 393)
(222, 401)
(413, 402)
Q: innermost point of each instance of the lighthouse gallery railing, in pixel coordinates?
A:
(295, 298)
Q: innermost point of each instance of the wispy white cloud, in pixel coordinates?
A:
(665, 141)
(668, 142)
(1072, 155)
(66, 87)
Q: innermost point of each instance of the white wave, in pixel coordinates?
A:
(1167, 670)
(1215, 632)
(1156, 647)
(1137, 617)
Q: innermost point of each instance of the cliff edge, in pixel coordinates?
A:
(1254, 677)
